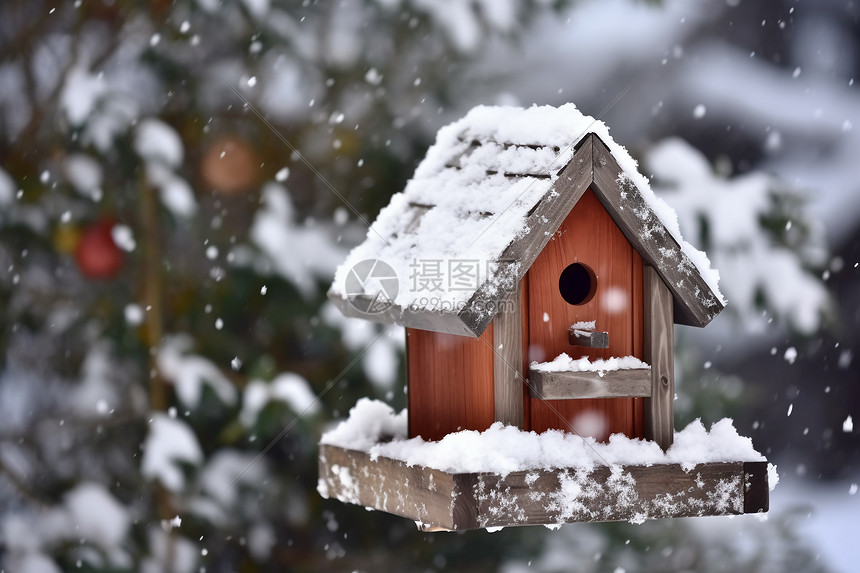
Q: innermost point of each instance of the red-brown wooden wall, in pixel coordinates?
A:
(588, 235)
(450, 382)
(451, 377)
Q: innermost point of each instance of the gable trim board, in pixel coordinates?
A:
(592, 166)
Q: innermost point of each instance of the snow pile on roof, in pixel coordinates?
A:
(564, 363)
(470, 198)
(504, 449)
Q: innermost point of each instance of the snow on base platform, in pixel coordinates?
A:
(470, 480)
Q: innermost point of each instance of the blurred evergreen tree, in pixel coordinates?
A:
(177, 181)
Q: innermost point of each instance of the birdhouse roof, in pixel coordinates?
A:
(491, 192)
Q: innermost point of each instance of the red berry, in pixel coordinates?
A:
(97, 255)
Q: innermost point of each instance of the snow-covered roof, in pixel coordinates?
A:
(489, 195)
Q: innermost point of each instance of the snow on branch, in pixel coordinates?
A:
(741, 223)
(169, 443)
(189, 373)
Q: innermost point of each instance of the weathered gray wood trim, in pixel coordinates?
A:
(629, 493)
(508, 360)
(658, 347)
(445, 322)
(588, 338)
(448, 501)
(633, 383)
(419, 493)
(542, 224)
(457, 160)
(695, 303)
(465, 512)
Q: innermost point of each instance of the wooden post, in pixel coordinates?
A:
(659, 339)
(508, 360)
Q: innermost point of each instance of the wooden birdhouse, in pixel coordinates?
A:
(539, 280)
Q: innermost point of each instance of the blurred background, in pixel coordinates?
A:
(179, 179)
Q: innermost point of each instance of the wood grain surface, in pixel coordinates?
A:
(588, 235)
(580, 385)
(450, 382)
(659, 353)
(439, 500)
(508, 362)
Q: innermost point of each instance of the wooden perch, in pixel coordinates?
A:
(548, 385)
(588, 338)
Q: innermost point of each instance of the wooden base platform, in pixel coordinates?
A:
(438, 500)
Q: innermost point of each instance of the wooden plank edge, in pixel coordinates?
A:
(617, 493)
(424, 495)
(756, 487)
(445, 322)
(565, 495)
(634, 383)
